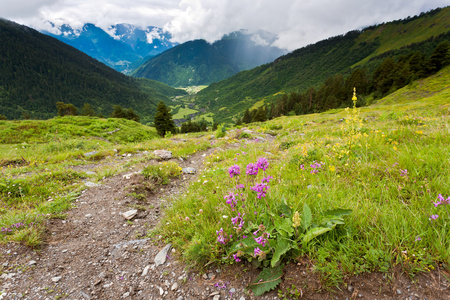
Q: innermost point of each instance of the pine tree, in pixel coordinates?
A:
(163, 120)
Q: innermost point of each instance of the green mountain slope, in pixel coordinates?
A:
(312, 65)
(200, 63)
(37, 71)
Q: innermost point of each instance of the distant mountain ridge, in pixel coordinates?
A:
(309, 67)
(200, 63)
(119, 47)
(37, 71)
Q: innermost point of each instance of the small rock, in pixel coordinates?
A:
(87, 154)
(233, 290)
(189, 170)
(87, 216)
(32, 262)
(126, 295)
(350, 288)
(214, 294)
(161, 291)
(216, 297)
(164, 154)
(56, 279)
(160, 258)
(242, 298)
(145, 272)
(130, 214)
(205, 276)
(91, 184)
(174, 287)
(399, 292)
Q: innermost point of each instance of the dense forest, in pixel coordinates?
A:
(38, 71)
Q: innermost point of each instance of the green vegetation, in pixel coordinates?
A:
(310, 67)
(42, 166)
(199, 63)
(163, 120)
(38, 71)
(385, 163)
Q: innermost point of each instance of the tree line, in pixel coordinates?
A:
(392, 74)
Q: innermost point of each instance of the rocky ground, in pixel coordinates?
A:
(96, 253)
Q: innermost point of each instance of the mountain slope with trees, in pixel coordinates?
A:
(310, 66)
(200, 63)
(38, 71)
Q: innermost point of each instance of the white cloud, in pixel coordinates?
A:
(296, 22)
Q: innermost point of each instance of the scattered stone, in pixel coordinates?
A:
(216, 297)
(125, 295)
(350, 288)
(130, 214)
(87, 216)
(399, 292)
(161, 291)
(163, 154)
(91, 184)
(90, 173)
(248, 131)
(32, 262)
(189, 170)
(233, 290)
(214, 294)
(242, 298)
(88, 154)
(145, 272)
(56, 279)
(107, 285)
(160, 258)
(115, 130)
(174, 287)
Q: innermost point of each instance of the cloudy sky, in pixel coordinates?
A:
(296, 22)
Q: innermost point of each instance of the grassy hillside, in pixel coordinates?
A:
(38, 71)
(312, 65)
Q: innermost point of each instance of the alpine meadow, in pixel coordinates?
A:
(323, 173)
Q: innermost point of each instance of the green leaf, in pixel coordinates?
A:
(284, 227)
(285, 209)
(283, 246)
(338, 213)
(267, 280)
(314, 232)
(306, 217)
(243, 245)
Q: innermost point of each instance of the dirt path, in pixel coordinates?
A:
(96, 254)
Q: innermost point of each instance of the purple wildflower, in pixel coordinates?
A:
(252, 169)
(222, 237)
(267, 179)
(404, 172)
(261, 189)
(262, 163)
(238, 220)
(434, 217)
(261, 240)
(257, 252)
(234, 170)
(442, 201)
(418, 238)
(231, 199)
(236, 258)
(240, 186)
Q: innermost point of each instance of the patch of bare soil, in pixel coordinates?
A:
(95, 253)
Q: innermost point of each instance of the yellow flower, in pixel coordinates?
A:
(319, 195)
(332, 168)
(296, 219)
(395, 148)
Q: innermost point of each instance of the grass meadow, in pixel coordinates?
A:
(354, 190)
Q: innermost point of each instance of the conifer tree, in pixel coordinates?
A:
(163, 120)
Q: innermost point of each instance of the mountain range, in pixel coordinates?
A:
(121, 47)
(201, 63)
